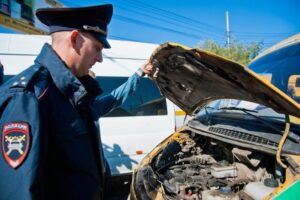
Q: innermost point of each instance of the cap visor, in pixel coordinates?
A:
(103, 40)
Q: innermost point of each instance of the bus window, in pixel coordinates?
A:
(284, 66)
(146, 101)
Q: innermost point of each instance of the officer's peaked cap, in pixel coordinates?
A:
(92, 19)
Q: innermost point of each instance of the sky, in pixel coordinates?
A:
(191, 22)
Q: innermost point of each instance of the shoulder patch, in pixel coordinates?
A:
(15, 142)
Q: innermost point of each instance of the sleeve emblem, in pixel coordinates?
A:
(15, 143)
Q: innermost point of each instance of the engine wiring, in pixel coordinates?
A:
(281, 142)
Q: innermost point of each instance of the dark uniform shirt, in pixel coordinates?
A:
(50, 145)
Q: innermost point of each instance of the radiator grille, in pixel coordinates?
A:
(243, 136)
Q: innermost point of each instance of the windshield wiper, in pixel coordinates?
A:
(235, 108)
(291, 134)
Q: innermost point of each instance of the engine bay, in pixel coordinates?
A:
(196, 167)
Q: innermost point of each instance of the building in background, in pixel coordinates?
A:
(18, 15)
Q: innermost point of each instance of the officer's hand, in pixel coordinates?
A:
(147, 68)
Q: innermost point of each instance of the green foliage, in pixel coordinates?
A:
(241, 53)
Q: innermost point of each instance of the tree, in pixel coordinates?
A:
(241, 53)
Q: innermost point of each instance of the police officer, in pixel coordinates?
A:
(49, 141)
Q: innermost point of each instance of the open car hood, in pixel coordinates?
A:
(192, 77)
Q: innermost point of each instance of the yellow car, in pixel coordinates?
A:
(243, 141)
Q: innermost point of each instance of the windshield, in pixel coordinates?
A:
(234, 105)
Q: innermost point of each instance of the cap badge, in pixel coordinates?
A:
(94, 28)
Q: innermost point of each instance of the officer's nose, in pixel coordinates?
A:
(99, 57)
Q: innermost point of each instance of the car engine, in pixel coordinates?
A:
(196, 167)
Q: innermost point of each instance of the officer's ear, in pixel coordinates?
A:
(75, 40)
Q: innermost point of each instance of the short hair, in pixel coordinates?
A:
(58, 37)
